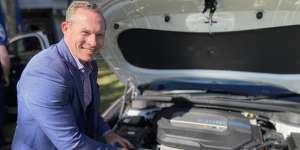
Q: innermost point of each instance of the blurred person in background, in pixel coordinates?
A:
(4, 80)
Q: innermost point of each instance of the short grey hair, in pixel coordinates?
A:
(81, 4)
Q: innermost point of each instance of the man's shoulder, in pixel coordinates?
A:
(47, 59)
(47, 56)
(47, 64)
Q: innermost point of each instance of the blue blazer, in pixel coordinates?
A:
(50, 105)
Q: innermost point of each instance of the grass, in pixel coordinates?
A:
(110, 87)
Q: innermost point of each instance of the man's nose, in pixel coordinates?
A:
(92, 41)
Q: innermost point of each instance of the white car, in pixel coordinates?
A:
(205, 74)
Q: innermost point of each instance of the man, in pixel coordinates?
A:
(58, 96)
(4, 79)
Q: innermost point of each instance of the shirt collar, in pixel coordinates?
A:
(82, 67)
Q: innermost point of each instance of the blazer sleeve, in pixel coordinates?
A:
(104, 127)
(46, 96)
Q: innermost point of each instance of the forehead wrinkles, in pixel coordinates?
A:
(86, 13)
(88, 19)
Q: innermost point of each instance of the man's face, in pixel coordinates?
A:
(84, 34)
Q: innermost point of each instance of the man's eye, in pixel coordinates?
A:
(85, 33)
(99, 35)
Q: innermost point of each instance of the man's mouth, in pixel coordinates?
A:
(90, 50)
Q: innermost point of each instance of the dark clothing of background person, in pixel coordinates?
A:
(4, 79)
(2, 112)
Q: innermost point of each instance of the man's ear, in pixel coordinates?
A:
(65, 26)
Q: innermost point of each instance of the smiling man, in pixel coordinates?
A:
(58, 96)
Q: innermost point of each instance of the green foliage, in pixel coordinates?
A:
(110, 87)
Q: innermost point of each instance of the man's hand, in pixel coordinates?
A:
(112, 138)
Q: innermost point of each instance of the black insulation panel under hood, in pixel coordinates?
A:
(269, 50)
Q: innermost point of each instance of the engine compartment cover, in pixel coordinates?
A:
(207, 129)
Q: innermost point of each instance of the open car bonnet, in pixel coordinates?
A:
(251, 40)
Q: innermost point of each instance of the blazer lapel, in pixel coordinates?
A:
(76, 77)
(96, 96)
(72, 66)
(95, 88)
(94, 91)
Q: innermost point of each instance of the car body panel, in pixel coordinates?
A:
(189, 87)
(187, 16)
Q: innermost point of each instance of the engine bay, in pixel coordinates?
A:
(179, 128)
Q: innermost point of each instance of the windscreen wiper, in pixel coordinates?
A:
(171, 92)
(220, 95)
(250, 102)
(287, 97)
